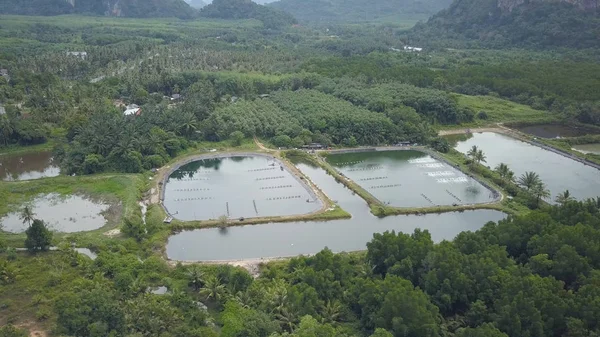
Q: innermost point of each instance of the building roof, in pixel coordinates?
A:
(2, 110)
(134, 111)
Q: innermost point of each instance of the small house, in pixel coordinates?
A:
(264, 96)
(314, 146)
(80, 54)
(405, 143)
(2, 110)
(175, 97)
(4, 73)
(132, 110)
(411, 49)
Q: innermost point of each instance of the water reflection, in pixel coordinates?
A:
(295, 238)
(28, 166)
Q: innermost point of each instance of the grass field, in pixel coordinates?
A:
(501, 110)
(122, 191)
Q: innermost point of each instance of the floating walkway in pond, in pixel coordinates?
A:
(191, 189)
(372, 178)
(454, 196)
(285, 198)
(386, 186)
(431, 165)
(422, 161)
(193, 199)
(369, 168)
(350, 163)
(191, 179)
(440, 174)
(270, 178)
(274, 187)
(262, 169)
(452, 180)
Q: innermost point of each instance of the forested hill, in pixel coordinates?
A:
(246, 9)
(126, 8)
(330, 11)
(513, 23)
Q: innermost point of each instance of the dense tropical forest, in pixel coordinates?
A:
(533, 275)
(115, 98)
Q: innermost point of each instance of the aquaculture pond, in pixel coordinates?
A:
(66, 214)
(587, 148)
(558, 172)
(28, 166)
(236, 186)
(410, 179)
(556, 130)
(296, 238)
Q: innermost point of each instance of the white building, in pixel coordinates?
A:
(81, 54)
(132, 110)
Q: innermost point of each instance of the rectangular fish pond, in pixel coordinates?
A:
(558, 172)
(28, 166)
(236, 186)
(296, 238)
(410, 178)
(67, 214)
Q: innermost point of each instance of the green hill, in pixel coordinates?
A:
(513, 23)
(125, 8)
(336, 11)
(246, 9)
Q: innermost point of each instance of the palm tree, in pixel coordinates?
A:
(564, 197)
(27, 215)
(480, 157)
(540, 191)
(529, 180)
(331, 312)
(6, 130)
(195, 277)
(473, 151)
(213, 289)
(287, 318)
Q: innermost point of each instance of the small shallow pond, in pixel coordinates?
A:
(296, 238)
(238, 186)
(410, 178)
(587, 148)
(559, 173)
(555, 130)
(66, 214)
(28, 166)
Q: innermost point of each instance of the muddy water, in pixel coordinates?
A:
(66, 214)
(555, 130)
(410, 179)
(587, 148)
(559, 173)
(239, 186)
(295, 238)
(27, 166)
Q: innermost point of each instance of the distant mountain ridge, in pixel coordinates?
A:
(125, 8)
(331, 11)
(513, 23)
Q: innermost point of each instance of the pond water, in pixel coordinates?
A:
(410, 179)
(296, 238)
(559, 173)
(28, 166)
(87, 252)
(66, 214)
(555, 130)
(239, 186)
(587, 148)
